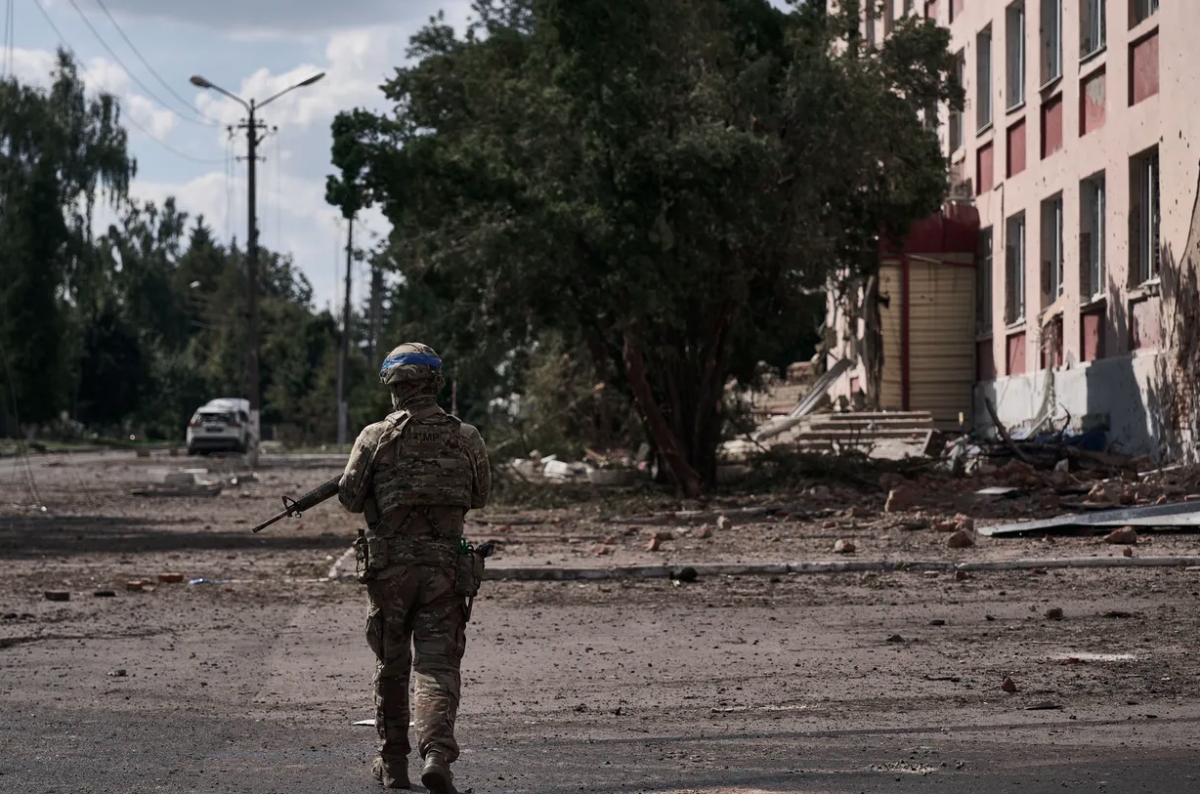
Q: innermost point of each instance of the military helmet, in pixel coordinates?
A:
(411, 362)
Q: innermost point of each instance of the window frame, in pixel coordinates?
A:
(984, 116)
(984, 299)
(1051, 36)
(1141, 10)
(1015, 309)
(957, 136)
(1146, 202)
(1093, 22)
(1093, 234)
(1015, 61)
(1053, 256)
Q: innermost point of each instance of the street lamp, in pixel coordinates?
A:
(252, 126)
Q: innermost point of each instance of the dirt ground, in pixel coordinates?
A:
(251, 678)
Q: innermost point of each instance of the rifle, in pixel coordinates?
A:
(295, 507)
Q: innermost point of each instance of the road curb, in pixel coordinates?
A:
(342, 570)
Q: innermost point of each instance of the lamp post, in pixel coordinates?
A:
(252, 127)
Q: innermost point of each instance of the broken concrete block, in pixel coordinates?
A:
(961, 576)
(1125, 536)
(900, 499)
(170, 578)
(1008, 685)
(1128, 552)
(965, 523)
(654, 545)
(135, 586)
(960, 540)
(724, 523)
(1054, 613)
(844, 547)
(57, 595)
(705, 532)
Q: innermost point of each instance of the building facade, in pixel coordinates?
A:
(1079, 147)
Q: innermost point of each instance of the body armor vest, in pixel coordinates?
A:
(425, 466)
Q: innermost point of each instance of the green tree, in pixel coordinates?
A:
(60, 152)
(661, 180)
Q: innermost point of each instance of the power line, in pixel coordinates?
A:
(121, 63)
(63, 40)
(152, 70)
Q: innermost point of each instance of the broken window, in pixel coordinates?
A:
(1092, 26)
(1015, 32)
(983, 284)
(1092, 227)
(1051, 40)
(1144, 217)
(1014, 270)
(983, 79)
(1052, 249)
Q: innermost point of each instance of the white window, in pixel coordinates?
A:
(1051, 40)
(1093, 32)
(983, 78)
(1144, 216)
(983, 284)
(1052, 249)
(1092, 226)
(1015, 33)
(1142, 10)
(956, 116)
(1014, 270)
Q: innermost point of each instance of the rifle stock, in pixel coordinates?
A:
(296, 507)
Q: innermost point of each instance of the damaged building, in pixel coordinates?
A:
(1057, 285)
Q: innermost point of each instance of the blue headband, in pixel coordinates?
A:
(433, 362)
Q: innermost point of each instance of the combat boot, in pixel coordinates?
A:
(436, 776)
(392, 774)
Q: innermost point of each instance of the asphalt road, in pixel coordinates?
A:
(726, 686)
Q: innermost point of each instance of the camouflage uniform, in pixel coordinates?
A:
(415, 475)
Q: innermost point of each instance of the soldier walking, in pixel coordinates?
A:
(414, 476)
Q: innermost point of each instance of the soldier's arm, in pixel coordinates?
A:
(481, 469)
(355, 485)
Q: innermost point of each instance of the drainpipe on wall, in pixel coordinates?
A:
(905, 311)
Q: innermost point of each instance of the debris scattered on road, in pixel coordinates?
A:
(1008, 685)
(1126, 536)
(1054, 613)
(364, 723)
(654, 545)
(937, 622)
(686, 575)
(121, 673)
(1046, 705)
(844, 547)
(960, 540)
(899, 500)
(705, 532)
(895, 638)
(723, 523)
(170, 578)
(57, 595)
(104, 594)
(135, 586)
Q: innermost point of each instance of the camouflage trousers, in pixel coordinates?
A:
(417, 625)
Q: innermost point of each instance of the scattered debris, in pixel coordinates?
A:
(1008, 685)
(900, 500)
(105, 594)
(135, 586)
(844, 547)
(1045, 705)
(705, 532)
(664, 535)
(120, 673)
(960, 540)
(170, 578)
(685, 575)
(961, 576)
(58, 595)
(1054, 613)
(937, 622)
(654, 545)
(895, 638)
(1125, 536)
(723, 523)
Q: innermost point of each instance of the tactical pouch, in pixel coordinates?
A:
(370, 556)
(468, 574)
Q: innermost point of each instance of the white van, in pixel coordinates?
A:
(221, 425)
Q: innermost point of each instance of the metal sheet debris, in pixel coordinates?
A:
(1182, 514)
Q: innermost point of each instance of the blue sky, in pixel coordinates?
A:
(252, 48)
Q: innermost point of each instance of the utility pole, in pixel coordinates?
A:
(376, 310)
(252, 127)
(344, 362)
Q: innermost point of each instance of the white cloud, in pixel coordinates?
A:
(150, 116)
